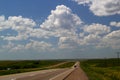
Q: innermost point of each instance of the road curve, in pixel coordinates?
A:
(73, 73)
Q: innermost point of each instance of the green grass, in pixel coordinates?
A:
(67, 65)
(26, 64)
(12, 67)
(105, 69)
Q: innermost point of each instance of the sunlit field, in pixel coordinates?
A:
(105, 69)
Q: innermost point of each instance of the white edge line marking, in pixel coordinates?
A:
(62, 74)
(13, 79)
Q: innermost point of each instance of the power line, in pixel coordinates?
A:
(118, 53)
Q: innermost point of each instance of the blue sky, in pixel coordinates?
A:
(59, 29)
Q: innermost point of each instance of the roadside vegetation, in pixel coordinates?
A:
(67, 65)
(102, 69)
(12, 67)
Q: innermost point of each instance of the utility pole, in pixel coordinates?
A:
(118, 53)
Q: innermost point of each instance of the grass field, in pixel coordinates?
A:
(11, 67)
(102, 69)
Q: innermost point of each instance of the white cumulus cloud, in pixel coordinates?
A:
(91, 39)
(112, 39)
(61, 17)
(82, 1)
(61, 30)
(39, 46)
(23, 26)
(109, 40)
(97, 29)
(61, 22)
(32, 45)
(102, 7)
(114, 23)
(68, 42)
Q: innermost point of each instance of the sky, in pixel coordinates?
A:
(59, 29)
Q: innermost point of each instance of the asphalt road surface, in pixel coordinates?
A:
(73, 73)
(36, 75)
(76, 74)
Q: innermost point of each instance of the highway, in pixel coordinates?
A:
(76, 74)
(36, 75)
(73, 73)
